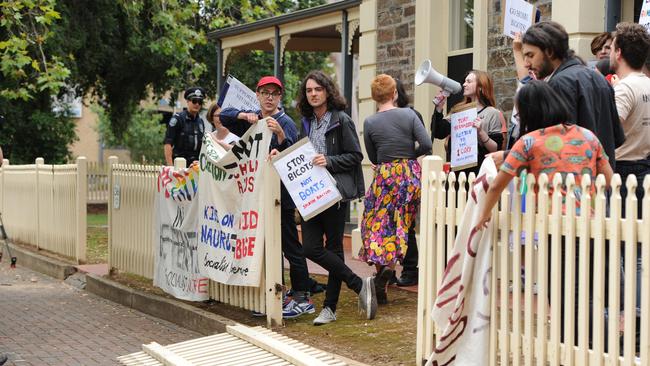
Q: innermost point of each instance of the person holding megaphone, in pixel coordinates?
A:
(490, 124)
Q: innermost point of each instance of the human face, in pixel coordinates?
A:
(269, 97)
(614, 53)
(469, 86)
(605, 50)
(216, 122)
(537, 61)
(316, 94)
(194, 105)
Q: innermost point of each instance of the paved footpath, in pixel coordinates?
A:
(44, 321)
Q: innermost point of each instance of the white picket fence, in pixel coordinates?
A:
(525, 327)
(45, 205)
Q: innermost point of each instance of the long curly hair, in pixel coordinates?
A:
(335, 101)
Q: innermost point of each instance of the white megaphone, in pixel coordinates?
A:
(427, 74)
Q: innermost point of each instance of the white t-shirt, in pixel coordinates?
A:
(230, 139)
(632, 96)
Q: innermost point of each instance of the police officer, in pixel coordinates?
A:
(185, 129)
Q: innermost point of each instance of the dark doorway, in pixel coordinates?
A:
(457, 68)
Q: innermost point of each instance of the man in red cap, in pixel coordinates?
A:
(269, 94)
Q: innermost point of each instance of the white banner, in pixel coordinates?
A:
(464, 143)
(312, 188)
(462, 307)
(176, 268)
(237, 95)
(644, 16)
(231, 229)
(517, 17)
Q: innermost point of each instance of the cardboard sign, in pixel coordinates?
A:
(644, 16)
(464, 141)
(517, 17)
(230, 224)
(176, 269)
(235, 94)
(312, 188)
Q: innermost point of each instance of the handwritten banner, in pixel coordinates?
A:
(176, 268)
(230, 223)
(235, 94)
(312, 188)
(464, 143)
(462, 305)
(644, 16)
(517, 17)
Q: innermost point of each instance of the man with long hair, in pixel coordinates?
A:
(335, 139)
(588, 95)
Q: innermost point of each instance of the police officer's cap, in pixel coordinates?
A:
(195, 92)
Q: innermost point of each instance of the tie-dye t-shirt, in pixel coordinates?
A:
(562, 148)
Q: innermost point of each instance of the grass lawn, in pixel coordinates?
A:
(97, 239)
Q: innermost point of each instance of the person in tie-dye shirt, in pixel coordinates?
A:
(550, 145)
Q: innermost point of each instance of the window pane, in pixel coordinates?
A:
(461, 32)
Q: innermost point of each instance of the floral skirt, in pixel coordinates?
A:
(390, 207)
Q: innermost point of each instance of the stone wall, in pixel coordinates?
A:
(500, 60)
(396, 40)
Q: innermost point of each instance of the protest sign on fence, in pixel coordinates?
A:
(462, 305)
(176, 269)
(231, 220)
(234, 94)
(517, 17)
(464, 142)
(644, 16)
(312, 188)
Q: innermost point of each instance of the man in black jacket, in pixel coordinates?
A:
(336, 142)
(588, 95)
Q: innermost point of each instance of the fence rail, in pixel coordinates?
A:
(572, 302)
(45, 205)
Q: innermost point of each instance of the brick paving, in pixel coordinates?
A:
(44, 321)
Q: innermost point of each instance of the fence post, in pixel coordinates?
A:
(272, 247)
(37, 195)
(180, 163)
(112, 161)
(82, 209)
(431, 170)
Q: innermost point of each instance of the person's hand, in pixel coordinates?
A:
(250, 117)
(498, 157)
(517, 44)
(440, 101)
(273, 154)
(319, 160)
(480, 133)
(275, 127)
(482, 223)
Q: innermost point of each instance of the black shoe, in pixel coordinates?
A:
(3, 359)
(381, 280)
(317, 288)
(408, 279)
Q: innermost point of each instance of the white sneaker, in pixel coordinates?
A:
(326, 316)
(368, 298)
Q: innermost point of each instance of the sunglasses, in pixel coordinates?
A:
(197, 101)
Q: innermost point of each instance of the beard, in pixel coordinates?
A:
(545, 69)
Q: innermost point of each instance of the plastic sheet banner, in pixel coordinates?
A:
(462, 305)
(231, 218)
(176, 269)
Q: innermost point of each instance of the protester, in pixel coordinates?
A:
(220, 133)
(409, 276)
(490, 123)
(601, 45)
(628, 54)
(392, 200)
(551, 145)
(603, 67)
(185, 129)
(335, 139)
(588, 95)
(269, 93)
